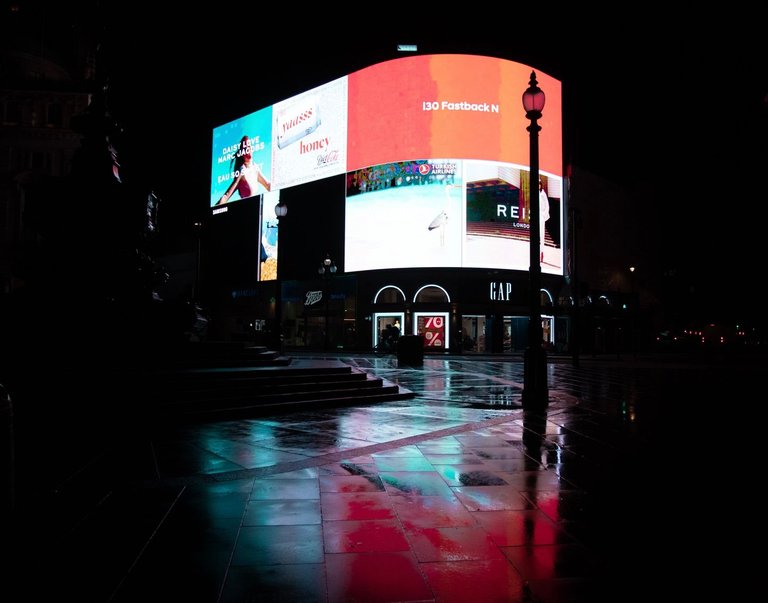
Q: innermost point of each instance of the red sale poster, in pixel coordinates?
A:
(433, 330)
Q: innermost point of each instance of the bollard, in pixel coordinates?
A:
(410, 350)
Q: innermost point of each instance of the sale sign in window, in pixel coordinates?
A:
(434, 328)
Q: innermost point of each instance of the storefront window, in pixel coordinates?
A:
(433, 326)
(473, 334)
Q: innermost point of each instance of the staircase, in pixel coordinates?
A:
(236, 380)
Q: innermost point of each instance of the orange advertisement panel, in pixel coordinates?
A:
(461, 106)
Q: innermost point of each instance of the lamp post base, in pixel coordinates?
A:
(535, 388)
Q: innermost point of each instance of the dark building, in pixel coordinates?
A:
(78, 222)
(45, 82)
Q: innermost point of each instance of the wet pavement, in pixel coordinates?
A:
(638, 483)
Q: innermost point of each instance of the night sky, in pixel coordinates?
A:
(672, 105)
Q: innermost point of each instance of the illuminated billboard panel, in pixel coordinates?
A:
(403, 215)
(497, 218)
(310, 135)
(384, 126)
(462, 106)
(242, 158)
(448, 213)
(269, 237)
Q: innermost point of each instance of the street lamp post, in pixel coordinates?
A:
(633, 315)
(535, 390)
(281, 210)
(573, 228)
(196, 287)
(327, 269)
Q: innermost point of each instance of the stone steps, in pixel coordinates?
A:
(236, 381)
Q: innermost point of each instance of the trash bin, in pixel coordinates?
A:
(410, 350)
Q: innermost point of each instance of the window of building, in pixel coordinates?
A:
(432, 294)
(40, 160)
(53, 115)
(389, 294)
(12, 112)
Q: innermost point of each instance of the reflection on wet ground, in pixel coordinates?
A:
(455, 495)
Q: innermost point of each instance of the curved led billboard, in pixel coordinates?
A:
(436, 156)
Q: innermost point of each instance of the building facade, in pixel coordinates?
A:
(412, 179)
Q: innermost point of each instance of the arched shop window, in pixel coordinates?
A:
(389, 295)
(431, 294)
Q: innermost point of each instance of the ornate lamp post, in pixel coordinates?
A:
(281, 210)
(327, 269)
(535, 390)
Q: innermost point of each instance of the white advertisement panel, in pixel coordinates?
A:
(310, 135)
(449, 213)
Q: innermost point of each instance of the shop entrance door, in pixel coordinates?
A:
(473, 333)
(382, 320)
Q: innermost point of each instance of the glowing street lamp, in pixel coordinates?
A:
(535, 389)
(327, 267)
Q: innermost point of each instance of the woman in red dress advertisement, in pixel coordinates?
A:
(247, 175)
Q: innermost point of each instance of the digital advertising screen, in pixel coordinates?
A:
(310, 135)
(269, 237)
(497, 218)
(435, 153)
(448, 213)
(403, 215)
(460, 106)
(242, 158)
